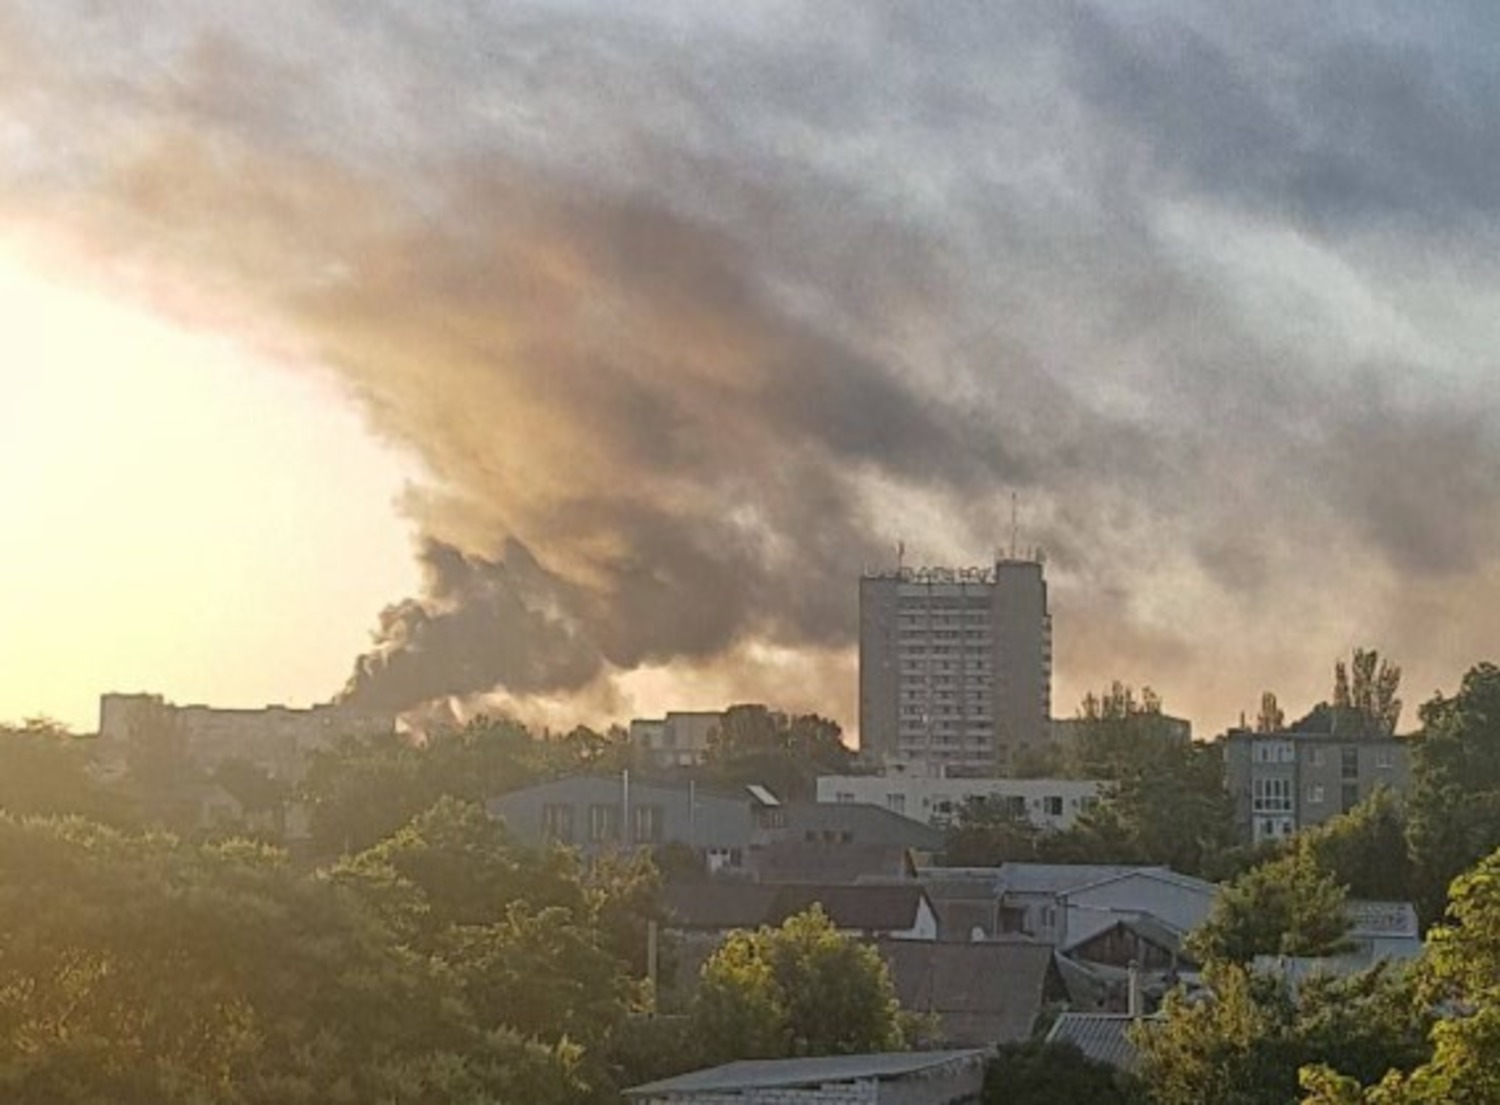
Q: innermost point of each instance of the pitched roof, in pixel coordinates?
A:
(723, 905)
(719, 905)
(753, 1074)
(865, 907)
(1103, 1037)
(798, 861)
(983, 993)
(865, 822)
(1061, 878)
(1144, 925)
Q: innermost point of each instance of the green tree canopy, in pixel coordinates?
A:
(1246, 1044)
(801, 989)
(1037, 1073)
(1461, 978)
(1286, 906)
(1453, 810)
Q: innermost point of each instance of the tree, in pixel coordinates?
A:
(1287, 906)
(1037, 1073)
(754, 744)
(1271, 718)
(1453, 810)
(801, 989)
(1365, 849)
(987, 832)
(1462, 977)
(1246, 1043)
(44, 769)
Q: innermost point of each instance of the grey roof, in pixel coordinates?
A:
(1060, 878)
(718, 906)
(799, 861)
(1155, 874)
(1100, 1036)
(751, 1074)
(865, 822)
(1148, 927)
(863, 907)
(983, 993)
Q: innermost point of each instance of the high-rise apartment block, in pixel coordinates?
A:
(955, 665)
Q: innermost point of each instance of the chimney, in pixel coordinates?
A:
(1133, 999)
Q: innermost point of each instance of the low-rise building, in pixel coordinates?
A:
(680, 739)
(937, 799)
(598, 814)
(893, 1078)
(1067, 903)
(277, 739)
(1287, 781)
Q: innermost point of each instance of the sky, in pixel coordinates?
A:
(574, 358)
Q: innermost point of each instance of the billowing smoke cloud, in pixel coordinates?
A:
(692, 312)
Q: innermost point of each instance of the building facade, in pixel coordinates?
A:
(678, 740)
(1287, 781)
(936, 800)
(955, 665)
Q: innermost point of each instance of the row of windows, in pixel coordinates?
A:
(646, 823)
(1285, 752)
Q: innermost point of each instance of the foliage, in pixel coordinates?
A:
(1453, 810)
(1286, 906)
(1246, 1044)
(44, 769)
(1037, 1073)
(987, 832)
(362, 789)
(801, 989)
(753, 744)
(1365, 849)
(1462, 979)
(1370, 691)
(142, 970)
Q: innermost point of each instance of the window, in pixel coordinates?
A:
(604, 823)
(1015, 807)
(557, 823)
(1385, 759)
(1271, 796)
(646, 824)
(896, 802)
(1052, 805)
(1349, 762)
(1315, 757)
(1315, 794)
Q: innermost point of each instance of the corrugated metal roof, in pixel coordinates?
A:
(983, 993)
(1059, 878)
(1104, 1037)
(772, 1073)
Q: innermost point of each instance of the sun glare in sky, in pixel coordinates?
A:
(179, 515)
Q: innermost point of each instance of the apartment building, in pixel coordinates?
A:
(936, 800)
(680, 739)
(955, 665)
(1287, 781)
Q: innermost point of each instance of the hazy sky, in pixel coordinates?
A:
(602, 345)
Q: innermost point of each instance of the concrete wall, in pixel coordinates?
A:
(707, 821)
(1047, 803)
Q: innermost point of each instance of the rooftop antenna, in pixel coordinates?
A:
(900, 555)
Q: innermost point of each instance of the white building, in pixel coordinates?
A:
(680, 739)
(1046, 803)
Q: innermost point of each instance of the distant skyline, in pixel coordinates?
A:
(602, 346)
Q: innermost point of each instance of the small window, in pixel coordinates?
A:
(1349, 762)
(1315, 757)
(896, 802)
(557, 823)
(1385, 759)
(646, 824)
(1052, 805)
(1315, 794)
(604, 823)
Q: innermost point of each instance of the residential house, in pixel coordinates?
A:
(1103, 1037)
(981, 994)
(813, 842)
(1065, 903)
(891, 1078)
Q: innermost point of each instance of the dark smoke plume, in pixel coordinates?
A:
(690, 312)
